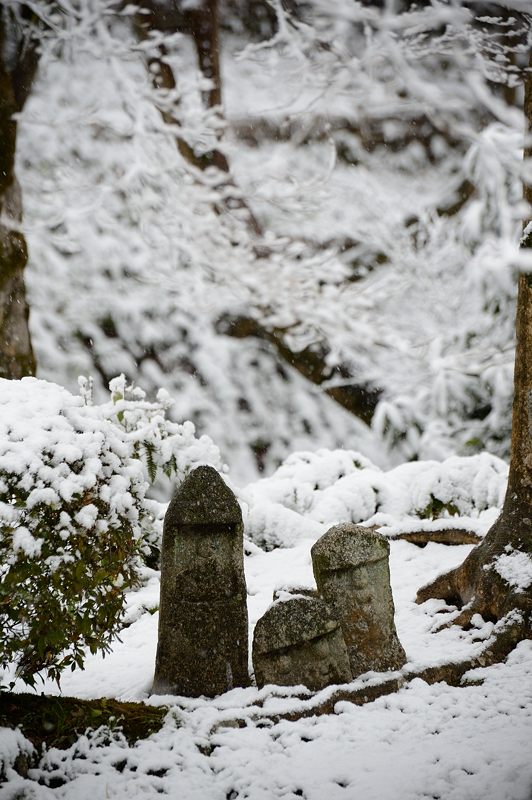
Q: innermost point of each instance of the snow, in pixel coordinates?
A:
(312, 491)
(361, 264)
(105, 195)
(373, 751)
(23, 540)
(420, 742)
(56, 447)
(515, 568)
(12, 745)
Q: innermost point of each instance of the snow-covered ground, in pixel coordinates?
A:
(420, 742)
(423, 741)
(124, 276)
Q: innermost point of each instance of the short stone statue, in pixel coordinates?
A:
(351, 569)
(297, 641)
(203, 623)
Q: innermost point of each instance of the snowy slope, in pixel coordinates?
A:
(130, 269)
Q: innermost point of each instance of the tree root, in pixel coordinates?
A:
(450, 587)
(477, 585)
(451, 536)
(496, 651)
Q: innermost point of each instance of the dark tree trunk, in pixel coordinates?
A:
(476, 584)
(202, 24)
(18, 64)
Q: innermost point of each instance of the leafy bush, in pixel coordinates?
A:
(75, 521)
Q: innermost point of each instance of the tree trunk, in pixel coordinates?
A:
(18, 64)
(201, 22)
(477, 584)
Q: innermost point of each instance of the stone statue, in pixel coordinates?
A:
(203, 623)
(351, 569)
(297, 641)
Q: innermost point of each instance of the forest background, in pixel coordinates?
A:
(301, 220)
(300, 226)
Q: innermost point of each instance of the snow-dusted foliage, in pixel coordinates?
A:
(313, 491)
(74, 514)
(161, 445)
(388, 190)
(131, 267)
(12, 745)
(425, 196)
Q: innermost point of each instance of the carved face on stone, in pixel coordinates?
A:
(206, 550)
(352, 574)
(363, 592)
(203, 629)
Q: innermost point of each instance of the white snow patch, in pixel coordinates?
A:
(12, 745)
(515, 568)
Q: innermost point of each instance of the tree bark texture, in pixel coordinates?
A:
(476, 584)
(201, 22)
(17, 71)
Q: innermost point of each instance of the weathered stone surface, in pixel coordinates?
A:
(298, 641)
(203, 622)
(351, 569)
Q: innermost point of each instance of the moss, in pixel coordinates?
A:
(59, 721)
(13, 255)
(436, 508)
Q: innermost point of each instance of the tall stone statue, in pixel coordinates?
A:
(351, 569)
(203, 622)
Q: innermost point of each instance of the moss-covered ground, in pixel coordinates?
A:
(59, 721)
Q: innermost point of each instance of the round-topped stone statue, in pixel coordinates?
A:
(351, 569)
(298, 641)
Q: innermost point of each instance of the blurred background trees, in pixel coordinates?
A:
(300, 218)
(18, 64)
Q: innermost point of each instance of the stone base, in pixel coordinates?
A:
(189, 664)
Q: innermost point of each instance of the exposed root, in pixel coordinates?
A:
(463, 620)
(510, 633)
(451, 536)
(448, 587)
(477, 586)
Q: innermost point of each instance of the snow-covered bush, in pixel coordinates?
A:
(74, 516)
(13, 744)
(312, 491)
(161, 445)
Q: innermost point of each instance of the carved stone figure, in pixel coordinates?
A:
(351, 569)
(203, 623)
(298, 641)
